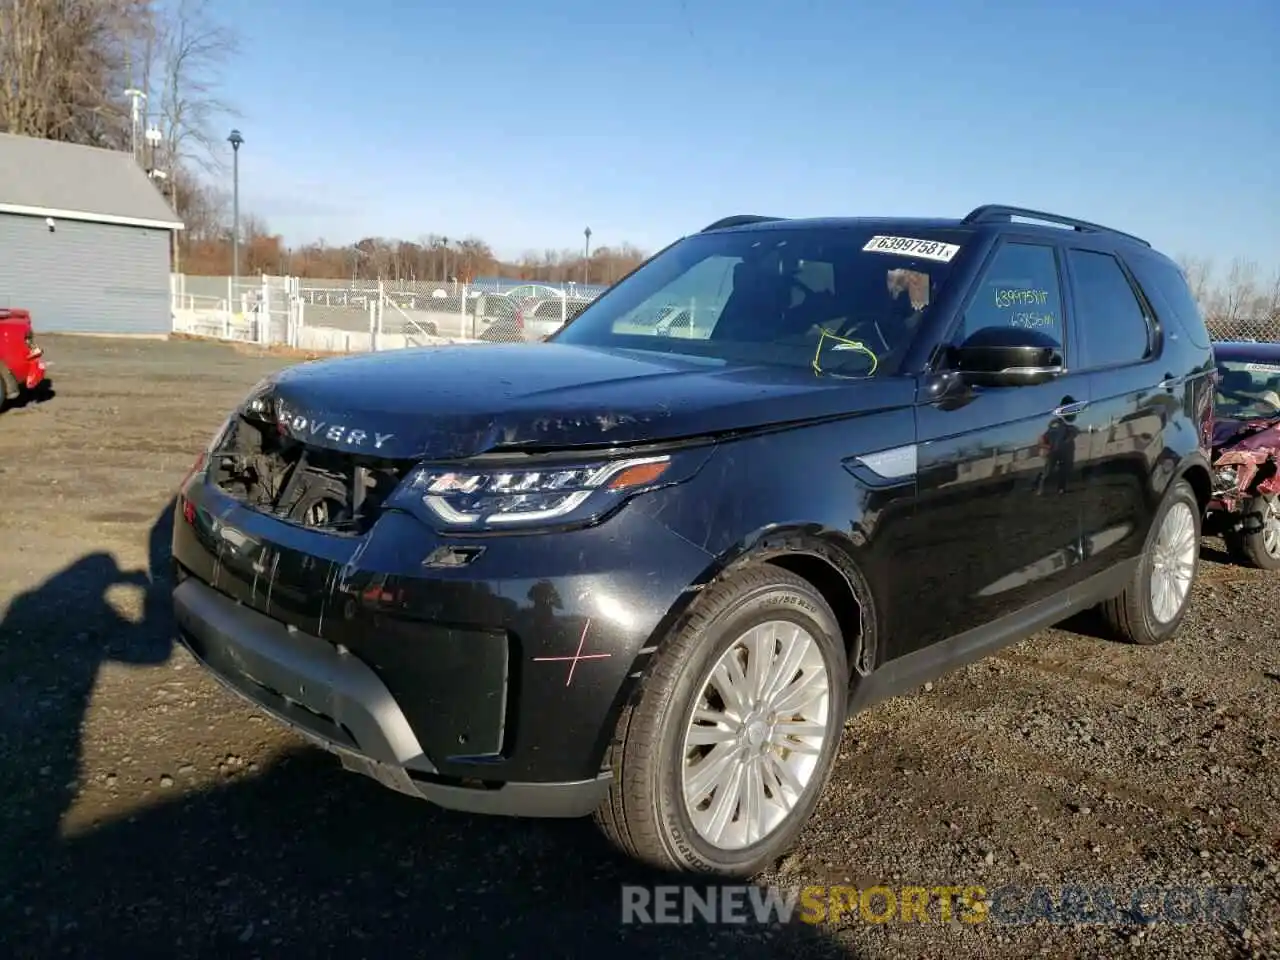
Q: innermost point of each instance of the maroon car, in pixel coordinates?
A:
(1246, 452)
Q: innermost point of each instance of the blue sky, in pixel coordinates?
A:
(524, 122)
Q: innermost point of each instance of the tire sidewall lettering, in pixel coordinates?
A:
(782, 603)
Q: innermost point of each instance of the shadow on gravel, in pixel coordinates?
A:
(52, 642)
(302, 858)
(1214, 555)
(1087, 623)
(31, 398)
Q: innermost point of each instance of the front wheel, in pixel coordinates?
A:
(723, 758)
(1258, 543)
(1152, 606)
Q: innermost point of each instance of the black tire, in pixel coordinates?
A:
(645, 815)
(1131, 615)
(1248, 546)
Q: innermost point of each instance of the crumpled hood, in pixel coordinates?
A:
(1245, 434)
(461, 400)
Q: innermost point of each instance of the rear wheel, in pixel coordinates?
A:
(9, 389)
(722, 760)
(1152, 606)
(1258, 543)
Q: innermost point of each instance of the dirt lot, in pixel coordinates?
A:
(147, 812)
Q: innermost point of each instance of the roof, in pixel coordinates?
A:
(1261, 352)
(992, 216)
(67, 181)
(850, 223)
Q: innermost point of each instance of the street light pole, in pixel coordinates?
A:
(135, 117)
(235, 140)
(586, 259)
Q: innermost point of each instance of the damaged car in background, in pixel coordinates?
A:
(1245, 508)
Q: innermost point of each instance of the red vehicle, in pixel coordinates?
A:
(22, 366)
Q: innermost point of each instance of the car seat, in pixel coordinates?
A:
(753, 310)
(1235, 383)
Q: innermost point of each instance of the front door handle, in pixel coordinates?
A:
(1070, 409)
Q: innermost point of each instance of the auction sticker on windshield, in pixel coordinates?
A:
(911, 247)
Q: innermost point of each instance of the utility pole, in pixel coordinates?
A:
(586, 257)
(160, 177)
(135, 96)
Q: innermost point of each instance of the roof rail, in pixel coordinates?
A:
(739, 220)
(998, 213)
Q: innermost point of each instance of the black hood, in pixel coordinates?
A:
(462, 400)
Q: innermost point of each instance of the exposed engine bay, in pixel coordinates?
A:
(338, 492)
(1247, 461)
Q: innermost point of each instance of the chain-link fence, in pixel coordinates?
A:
(362, 315)
(1263, 327)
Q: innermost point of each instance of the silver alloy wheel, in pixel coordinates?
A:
(1173, 562)
(1271, 527)
(758, 727)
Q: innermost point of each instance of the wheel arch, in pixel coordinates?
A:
(1195, 470)
(809, 555)
(808, 551)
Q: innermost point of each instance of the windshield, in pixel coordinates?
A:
(843, 301)
(1248, 389)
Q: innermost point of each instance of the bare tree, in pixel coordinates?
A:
(1199, 273)
(64, 67)
(1239, 294)
(1269, 308)
(187, 58)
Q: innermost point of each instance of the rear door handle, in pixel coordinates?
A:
(1070, 409)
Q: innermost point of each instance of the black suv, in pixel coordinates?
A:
(645, 570)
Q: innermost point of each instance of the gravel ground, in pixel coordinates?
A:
(147, 812)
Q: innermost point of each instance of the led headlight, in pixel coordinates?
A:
(506, 497)
(257, 403)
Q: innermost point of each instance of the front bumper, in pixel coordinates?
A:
(492, 686)
(336, 701)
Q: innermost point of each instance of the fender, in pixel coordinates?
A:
(809, 550)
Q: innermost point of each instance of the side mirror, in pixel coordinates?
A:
(1008, 357)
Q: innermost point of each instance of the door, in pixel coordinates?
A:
(1002, 472)
(1133, 396)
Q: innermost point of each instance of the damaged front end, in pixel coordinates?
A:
(1245, 507)
(1246, 463)
(261, 465)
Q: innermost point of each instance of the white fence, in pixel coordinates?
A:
(359, 316)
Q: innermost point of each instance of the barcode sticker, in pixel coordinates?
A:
(911, 247)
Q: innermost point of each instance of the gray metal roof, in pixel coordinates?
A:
(46, 178)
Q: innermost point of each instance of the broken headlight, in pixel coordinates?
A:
(456, 497)
(1224, 479)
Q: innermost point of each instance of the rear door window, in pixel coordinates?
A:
(1114, 326)
(1166, 286)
